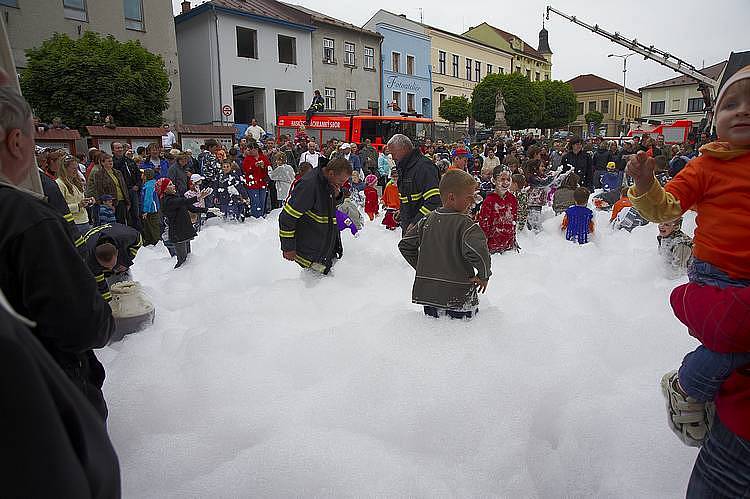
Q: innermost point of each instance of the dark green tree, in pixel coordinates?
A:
(559, 108)
(455, 110)
(523, 100)
(594, 117)
(74, 78)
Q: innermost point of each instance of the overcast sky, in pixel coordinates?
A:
(697, 31)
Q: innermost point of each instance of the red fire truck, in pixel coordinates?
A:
(357, 127)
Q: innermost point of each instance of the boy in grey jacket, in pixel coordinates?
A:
(449, 252)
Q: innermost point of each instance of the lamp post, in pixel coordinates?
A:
(624, 58)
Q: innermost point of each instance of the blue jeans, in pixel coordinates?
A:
(722, 469)
(703, 371)
(257, 202)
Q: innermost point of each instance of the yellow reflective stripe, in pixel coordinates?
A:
(133, 251)
(286, 233)
(424, 211)
(79, 242)
(93, 231)
(431, 192)
(316, 217)
(99, 278)
(403, 198)
(107, 296)
(416, 197)
(302, 261)
(68, 217)
(291, 211)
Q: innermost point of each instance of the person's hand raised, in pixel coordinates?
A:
(641, 168)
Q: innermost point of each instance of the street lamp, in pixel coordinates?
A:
(624, 58)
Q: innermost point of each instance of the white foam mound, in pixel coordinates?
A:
(259, 380)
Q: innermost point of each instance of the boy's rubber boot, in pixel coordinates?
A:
(688, 418)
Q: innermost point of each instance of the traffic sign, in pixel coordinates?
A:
(226, 110)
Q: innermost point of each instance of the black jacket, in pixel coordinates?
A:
(45, 279)
(127, 241)
(179, 176)
(176, 209)
(601, 158)
(307, 224)
(129, 170)
(582, 165)
(53, 442)
(417, 187)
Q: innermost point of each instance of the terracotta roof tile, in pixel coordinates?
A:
(711, 71)
(125, 131)
(57, 134)
(527, 49)
(266, 8)
(592, 83)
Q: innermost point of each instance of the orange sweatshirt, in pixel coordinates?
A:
(717, 185)
(390, 196)
(619, 205)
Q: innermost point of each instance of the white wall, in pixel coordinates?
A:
(196, 46)
(668, 94)
(265, 72)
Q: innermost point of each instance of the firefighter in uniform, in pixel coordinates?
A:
(417, 181)
(307, 225)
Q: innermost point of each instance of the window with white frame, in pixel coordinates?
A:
(410, 64)
(395, 62)
(468, 69)
(329, 51)
(369, 58)
(75, 9)
(489, 68)
(330, 95)
(410, 98)
(349, 54)
(351, 100)
(134, 14)
(396, 105)
(441, 62)
(477, 71)
(455, 66)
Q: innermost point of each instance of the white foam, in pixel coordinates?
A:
(257, 380)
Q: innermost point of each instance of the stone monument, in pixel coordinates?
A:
(500, 123)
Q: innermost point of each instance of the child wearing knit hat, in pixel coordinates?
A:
(714, 304)
(371, 196)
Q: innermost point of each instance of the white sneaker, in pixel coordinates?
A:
(688, 418)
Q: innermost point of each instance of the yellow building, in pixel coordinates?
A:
(595, 93)
(534, 63)
(459, 63)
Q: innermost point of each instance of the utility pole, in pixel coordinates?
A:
(624, 58)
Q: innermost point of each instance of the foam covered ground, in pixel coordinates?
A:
(260, 380)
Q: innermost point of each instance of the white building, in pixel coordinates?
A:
(250, 58)
(677, 98)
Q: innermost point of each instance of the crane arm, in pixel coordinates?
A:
(648, 52)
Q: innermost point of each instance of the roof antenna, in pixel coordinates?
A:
(421, 17)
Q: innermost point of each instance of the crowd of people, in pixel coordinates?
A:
(455, 203)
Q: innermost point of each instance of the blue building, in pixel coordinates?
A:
(405, 59)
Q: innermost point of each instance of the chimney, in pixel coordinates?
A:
(185, 6)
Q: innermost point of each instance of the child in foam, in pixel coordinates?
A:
(578, 221)
(371, 196)
(675, 247)
(449, 252)
(520, 191)
(499, 214)
(391, 201)
(350, 209)
(714, 304)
